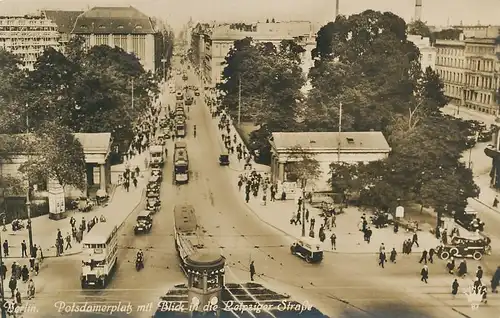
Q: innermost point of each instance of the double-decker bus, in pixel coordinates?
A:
(100, 254)
(181, 163)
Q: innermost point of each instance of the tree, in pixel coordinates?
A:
(10, 116)
(371, 66)
(447, 34)
(270, 82)
(57, 155)
(344, 178)
(302, 167)
(419, 28)
(433, 90)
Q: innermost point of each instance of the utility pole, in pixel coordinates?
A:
(340, 131)
(132, 93)
(239, 100)
(28, 202)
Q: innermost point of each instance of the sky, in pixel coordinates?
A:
(178, 12)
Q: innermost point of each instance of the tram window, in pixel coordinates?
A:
(197, 282)
(213, 282)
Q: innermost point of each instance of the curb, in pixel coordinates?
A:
(486, 205)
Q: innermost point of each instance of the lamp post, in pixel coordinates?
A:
(28, 201)
(2, 292)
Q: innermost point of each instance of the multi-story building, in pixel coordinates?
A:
(482, 73)
(450, 63)
(124, 27)
(65, 21)
(427, 51)
(28, 36)
(211, 44)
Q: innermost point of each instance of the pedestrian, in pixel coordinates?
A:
(307, 215)
(424, 257)
(13, 285)
(451, 265)
(381, 248)
(298, 220)
(396, 227)
(24, 248)
(5, 248)
(462, 268)
(25, 273)
(393, 255)
(333, 240)
(368, 235)
(18, 297)
(414, 240)
(382, 259)
(334, 221)
(3, 271)
(252, 270)
(68, 241)
(454, 287)
(479, 273)
(495, 202)
(424, 273)
(495, 281)
(247, 196)
(431, 255)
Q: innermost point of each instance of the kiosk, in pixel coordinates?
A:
(205, 273)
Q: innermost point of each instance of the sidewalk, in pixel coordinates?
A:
(121, 204)
(468, 114)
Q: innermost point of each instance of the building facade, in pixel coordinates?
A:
(96, 148)
(124, 27)
(65, 21)
(28, 37)
(450, 66)
(211, 44)
(325, 147)
(481, 75)
(427, 51)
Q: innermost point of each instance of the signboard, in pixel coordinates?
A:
(56, 199)
(290, 189)
(164, 60)
(400, 212)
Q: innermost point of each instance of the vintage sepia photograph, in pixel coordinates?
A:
(250, 158)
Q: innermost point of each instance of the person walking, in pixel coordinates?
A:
(252, 270)
(333, 240)
(393, 255)
(432, 252)
(13, 285)
(424, 257)
(454, 288)
(5, 248)
(68, 241)
(424, 274)
(414, 240)
(381, 259)
(24, 248)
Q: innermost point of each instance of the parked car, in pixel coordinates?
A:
(463, 250)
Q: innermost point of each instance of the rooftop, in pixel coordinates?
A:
(94, 142)
(99, 233)
(113, 20)
(360, 141)
(65, 20)
(185, 218)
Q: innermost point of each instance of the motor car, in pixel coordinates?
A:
(144, 222)
(463, 250)
(469, 220)
(153, 204)
(157, 173)
(308, 249)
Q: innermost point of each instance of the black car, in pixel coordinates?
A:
(474, 250)
(144, 222)
(308, 249)
(469, 220)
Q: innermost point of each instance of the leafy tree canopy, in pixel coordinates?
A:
(58, 156)
(270, 81)
(86, 90)
(302, 166)
(447, 34)
(419, 28)
(366, 63)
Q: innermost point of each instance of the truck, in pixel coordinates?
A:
(156, 155)
(181, 163)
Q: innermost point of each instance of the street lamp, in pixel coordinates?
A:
(2, 292)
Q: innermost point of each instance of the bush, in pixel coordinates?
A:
(15, 208)
(259, 140)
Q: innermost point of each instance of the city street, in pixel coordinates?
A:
(335, 286)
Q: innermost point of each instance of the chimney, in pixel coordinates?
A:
(337, 4)
(418, 10)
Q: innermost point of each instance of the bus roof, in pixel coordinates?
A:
(185, 218)
(99, 233)
(180, 144)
